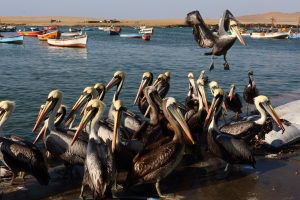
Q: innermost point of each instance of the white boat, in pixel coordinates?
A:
(271, 35)
(71, 34)
(145, 30)
(77, 41)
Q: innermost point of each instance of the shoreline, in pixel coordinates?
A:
(95, 22)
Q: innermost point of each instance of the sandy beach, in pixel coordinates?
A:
(280, 18)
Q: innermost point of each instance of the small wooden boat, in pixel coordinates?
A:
(77, 41)
(33, 32)
(271, 35)
(51, 35)
(50, 28)
(146, 37)
(71, 34)
(131, 35)
(13, 39)
(115, 30)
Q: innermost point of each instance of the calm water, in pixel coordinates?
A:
(28, 72)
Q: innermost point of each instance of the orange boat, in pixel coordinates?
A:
(51, 35)
(33, 32)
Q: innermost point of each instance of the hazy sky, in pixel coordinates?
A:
(142, 9)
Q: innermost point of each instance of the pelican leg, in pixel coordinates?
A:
(226, 65)
(212, 64)
(22, 175)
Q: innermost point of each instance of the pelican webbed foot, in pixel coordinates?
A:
(226, 66)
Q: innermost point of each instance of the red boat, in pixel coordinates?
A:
(146, 37)
(50, 28)
(33, 32)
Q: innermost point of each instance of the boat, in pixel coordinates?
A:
(33, 32)
(145, 30)
(50, 35)
(71, 34)
(115, 30)
(146, 37)
(50, 28)
(271, 35)
(13, 39)
(77, 41)
(131, 35)
(7, 28)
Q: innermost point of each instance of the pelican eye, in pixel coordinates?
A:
(52, 99)
(2, 110)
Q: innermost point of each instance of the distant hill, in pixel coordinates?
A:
(280, 18)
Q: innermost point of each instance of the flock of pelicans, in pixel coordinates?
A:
(148, 149)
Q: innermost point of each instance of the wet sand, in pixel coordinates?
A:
(277, 176)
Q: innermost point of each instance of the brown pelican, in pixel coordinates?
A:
(224, 146)
(87, 94)
(100, 87)
(220, 43)
(248, 129)
(58, 142)
(130, 120)
(147, 80)
(18, 154)
(192, 97)
(250, 90)
(233, 101)
(203, 77)
(99, 164)
(162, 84)
(154, 164)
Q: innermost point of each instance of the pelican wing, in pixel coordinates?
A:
(146, 163)
(239, 129)
(203, 35)
(237, 149)
(224, 23)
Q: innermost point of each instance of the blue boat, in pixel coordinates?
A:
(13, 39)
(131, 35)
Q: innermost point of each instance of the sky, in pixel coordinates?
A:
(142, 9)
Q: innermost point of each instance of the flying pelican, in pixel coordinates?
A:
(233, 101)
(18, 154)
(58, 142)
(99, 164)
(224, 146)
(154, 164)
(130, 120)
(250, 91)
(220, 43)
(248, 129)
(147, 80)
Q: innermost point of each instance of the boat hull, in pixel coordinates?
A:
(278, 35)
(15, 39)
(51, 35)
(31, 33)
(76, 42)
(133, 35)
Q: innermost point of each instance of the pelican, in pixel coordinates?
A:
(130, 121)
(147, 80)
(250, 91)
(162, 84)
(248, 129)
(87, 94)
(99, 164)
(192, 97)
(58, 142)
(203, 77)
(233, 101)
(220, 43)
(100, 87)
(154, 164)
(224, 146)
(18, 154)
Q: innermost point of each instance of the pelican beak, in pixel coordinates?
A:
(175, 112)
(117, 124)
(203, 95)
(79, 102)
(41, 133)
(147, 111)
(88, 116)
(210, 112)
(269, 108)
(114, 81)
(155, 82)
(49, 105)
(231, 92)
(142, 85)
(236, 32)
